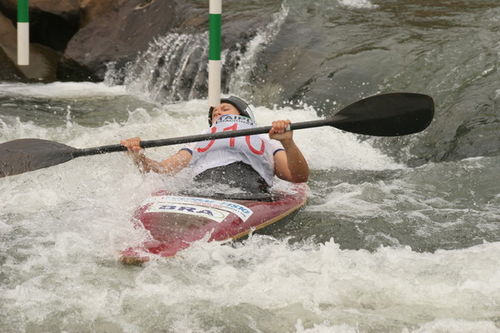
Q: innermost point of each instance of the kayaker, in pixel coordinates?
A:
(247, 162)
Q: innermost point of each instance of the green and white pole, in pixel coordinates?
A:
(214, 52)
(23, 33)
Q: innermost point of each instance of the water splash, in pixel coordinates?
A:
(361, 4)
(169, 70)
(60, 90)
(174, 68)
(240, 78)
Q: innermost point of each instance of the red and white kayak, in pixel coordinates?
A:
(174, 222)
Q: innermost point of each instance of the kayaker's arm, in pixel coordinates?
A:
(171, 165)
(176, 162)
(290, 164)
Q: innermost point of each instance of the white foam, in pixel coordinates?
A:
(363, 4)
(60, 90)
(437, 326)
(325, 327)
(350, 200)
(456, 325)
(75, 219)
(238, 80)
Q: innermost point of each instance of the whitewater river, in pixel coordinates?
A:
(399, 235)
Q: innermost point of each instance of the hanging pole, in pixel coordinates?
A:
(214, 52)
(23, 33)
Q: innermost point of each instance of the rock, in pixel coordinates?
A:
(92, 9)
(59, 7)
(8, 70)
(8, 33)
(70, 70)
(8, 51)
(43, 63)
(52, 23)
(140, 22)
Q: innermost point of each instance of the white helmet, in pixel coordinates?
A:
(238, 103)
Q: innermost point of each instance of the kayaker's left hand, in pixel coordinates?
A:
(279, 131)
(133, 145)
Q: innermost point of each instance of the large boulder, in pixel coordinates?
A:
(52, 23)
(8, 33)
(59, 7)
(121, 33)
(92, 9)
(8, 51)
(8, 70)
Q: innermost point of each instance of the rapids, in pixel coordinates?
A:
(399, 235)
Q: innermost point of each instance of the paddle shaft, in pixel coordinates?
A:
(199, 137)
(398, 114)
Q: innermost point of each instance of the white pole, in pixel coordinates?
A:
(23, 33)
(214, 78)
(23, 43)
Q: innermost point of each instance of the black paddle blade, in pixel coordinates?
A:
(24, 155)
(392, 114)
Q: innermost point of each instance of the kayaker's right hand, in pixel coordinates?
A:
(133, 144)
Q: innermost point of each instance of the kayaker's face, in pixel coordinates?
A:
(224, 108)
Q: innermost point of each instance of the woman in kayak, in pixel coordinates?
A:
(248, 162)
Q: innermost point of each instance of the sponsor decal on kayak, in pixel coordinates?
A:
(194, 210)
(196, 206)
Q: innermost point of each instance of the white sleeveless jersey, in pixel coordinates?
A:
(255, 150)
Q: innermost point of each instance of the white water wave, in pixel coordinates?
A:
(437, 326)
(60, 90)
(362, 4)
(307, 287)
(238, 81)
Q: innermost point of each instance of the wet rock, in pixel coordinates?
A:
(70, 70)
(43, 63)
(92, 9)
(140, 21)
(8, 70)
(60, 7)
(8, 51)
(42, 67)
(8, 33)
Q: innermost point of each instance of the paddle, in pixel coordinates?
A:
(381, 115)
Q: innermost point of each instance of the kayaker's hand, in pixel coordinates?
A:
(133, 144)
(279, 131)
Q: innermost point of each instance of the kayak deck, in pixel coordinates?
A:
(174, 221)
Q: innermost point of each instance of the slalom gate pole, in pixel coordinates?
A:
(214, 52)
